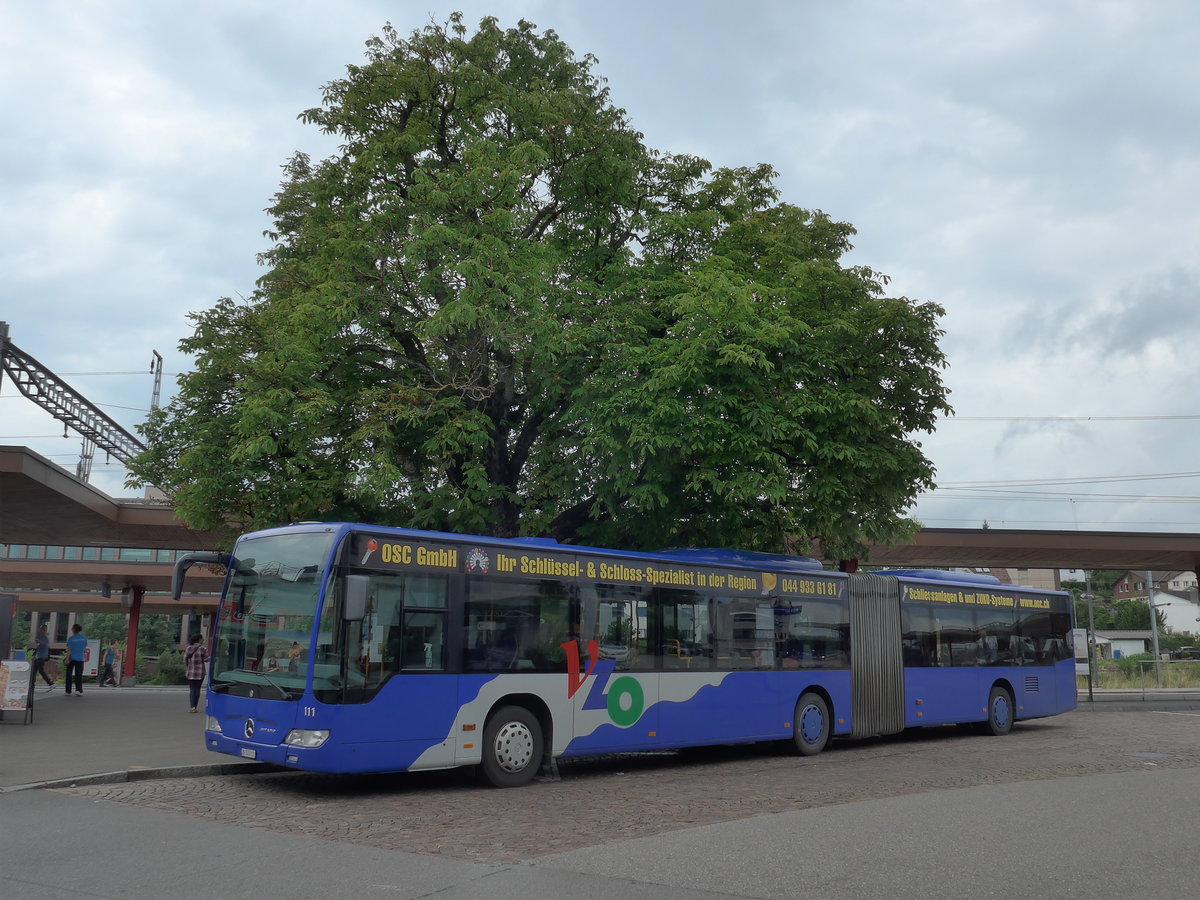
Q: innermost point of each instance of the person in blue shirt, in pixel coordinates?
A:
(41, 655)
(109, 657)
(76, 651)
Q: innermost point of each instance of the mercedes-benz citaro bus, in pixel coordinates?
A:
(357, 648)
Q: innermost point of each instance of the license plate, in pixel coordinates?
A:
(249, 754)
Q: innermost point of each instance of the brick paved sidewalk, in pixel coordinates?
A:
(614, 798)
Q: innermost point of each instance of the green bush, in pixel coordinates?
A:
(1140, 672)
(1131, 665)
(170, 669)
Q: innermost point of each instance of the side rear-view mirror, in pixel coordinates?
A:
(355, 607)
(188, 560)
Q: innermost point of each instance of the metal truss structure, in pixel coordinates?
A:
(66, 404)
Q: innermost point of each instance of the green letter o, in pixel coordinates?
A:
(637, 701)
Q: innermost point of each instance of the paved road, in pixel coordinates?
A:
(106, 731)
(1095, 837)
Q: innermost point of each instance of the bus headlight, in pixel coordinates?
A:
(309, 738)
(211, 724)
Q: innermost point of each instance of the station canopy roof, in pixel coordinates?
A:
(42, 503)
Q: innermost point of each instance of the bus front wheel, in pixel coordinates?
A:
(1000, 711)
(810, 727)
(512, 747)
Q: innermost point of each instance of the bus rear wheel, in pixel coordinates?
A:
(1000, 711)
(810, 726)
(512, 747)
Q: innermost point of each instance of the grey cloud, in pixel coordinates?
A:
(1164, 306)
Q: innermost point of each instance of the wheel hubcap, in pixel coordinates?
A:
(1000, 711)
(514, 746)
(812, 724)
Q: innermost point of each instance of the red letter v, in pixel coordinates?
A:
(575, 680)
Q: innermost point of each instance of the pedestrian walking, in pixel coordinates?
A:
(109, 658)
(41, 656)
(76, 652)
(195, 658)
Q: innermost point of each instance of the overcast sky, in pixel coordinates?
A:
(1030, 165)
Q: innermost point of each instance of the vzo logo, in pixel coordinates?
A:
(624, 700)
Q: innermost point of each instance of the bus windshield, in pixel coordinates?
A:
(266, 616)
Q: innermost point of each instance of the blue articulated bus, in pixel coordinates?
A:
(355, 648)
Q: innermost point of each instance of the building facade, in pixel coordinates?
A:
(1176, 597)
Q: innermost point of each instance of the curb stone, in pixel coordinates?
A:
(131, 775)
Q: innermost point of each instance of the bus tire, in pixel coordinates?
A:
(1000, 711)
(512, 747)
(810, 725)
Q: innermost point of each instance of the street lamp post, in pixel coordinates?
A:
(1153, 628)
(1088, 598)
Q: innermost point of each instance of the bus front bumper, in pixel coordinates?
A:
(282, 754)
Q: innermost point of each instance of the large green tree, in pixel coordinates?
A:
(495, 310)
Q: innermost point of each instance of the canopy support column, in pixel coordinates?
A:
(129, 664)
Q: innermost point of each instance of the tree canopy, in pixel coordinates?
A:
(495, 310)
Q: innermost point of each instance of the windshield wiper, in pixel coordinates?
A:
(283, 692)
(226, 684)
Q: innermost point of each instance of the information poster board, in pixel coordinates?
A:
(14, 684)
(91, 659)
(1081, 651)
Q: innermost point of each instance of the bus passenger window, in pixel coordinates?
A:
(918, 638)
(423, 641)
(616, 618)
(403, 629)
(812, 634)
(518, 626)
